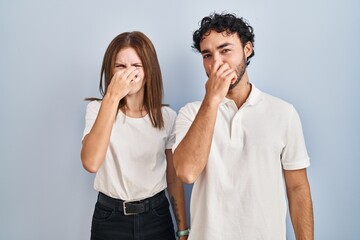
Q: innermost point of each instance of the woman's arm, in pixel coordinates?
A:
(176, 193)
(96, 142)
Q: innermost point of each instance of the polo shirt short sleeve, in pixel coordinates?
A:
(241, 192)
(294, 155)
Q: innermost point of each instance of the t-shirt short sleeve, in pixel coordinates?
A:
(294, 155)
(92, 110)
(169, 117)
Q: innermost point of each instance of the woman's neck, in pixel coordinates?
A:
(134, 107)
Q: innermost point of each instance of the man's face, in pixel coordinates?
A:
(225, 49)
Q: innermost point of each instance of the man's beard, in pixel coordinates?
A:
(240, 70)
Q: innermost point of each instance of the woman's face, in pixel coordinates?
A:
(126, 58)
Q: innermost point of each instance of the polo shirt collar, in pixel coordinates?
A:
(255, 97)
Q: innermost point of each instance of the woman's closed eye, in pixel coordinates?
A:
(120, 66)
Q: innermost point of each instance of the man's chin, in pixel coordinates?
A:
(233, 85)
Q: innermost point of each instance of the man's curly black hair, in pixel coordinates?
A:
(228, 23)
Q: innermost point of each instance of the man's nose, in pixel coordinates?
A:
(217, 58)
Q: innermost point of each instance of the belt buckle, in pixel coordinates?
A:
(124, 208)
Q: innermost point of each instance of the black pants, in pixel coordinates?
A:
(109, 223)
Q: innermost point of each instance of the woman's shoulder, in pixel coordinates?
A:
(167, 111)
(169, 115)
(94, 106)
(94, 103)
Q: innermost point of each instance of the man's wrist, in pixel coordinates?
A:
(211, 101)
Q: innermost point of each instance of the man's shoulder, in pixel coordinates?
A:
(190, 109)
(276, 102)
(192, 106)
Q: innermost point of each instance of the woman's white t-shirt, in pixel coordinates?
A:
(135, 164)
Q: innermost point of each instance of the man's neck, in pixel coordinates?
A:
(241, 92)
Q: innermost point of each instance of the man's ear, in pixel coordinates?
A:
(248, 49)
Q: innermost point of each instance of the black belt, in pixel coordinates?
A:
(132, 208)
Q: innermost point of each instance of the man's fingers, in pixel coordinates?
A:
(228, 73)
(223, 68)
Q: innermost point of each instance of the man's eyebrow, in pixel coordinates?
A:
(205, 51)
(218, 47)
(224, 45)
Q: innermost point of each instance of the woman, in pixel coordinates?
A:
(127, 142)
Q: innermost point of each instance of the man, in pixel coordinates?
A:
(243, 149)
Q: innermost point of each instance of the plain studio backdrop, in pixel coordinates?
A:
(307, 53)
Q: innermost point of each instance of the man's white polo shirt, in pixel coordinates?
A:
(241, 192)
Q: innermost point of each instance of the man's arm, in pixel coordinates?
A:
(191, 155)
(300, 203)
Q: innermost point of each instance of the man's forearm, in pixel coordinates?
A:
(301, 212)
(191, 155)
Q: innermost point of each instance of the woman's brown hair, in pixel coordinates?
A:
(153, 88)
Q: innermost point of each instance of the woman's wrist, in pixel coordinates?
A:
(183, 238)
(182, 233)
(112, 98)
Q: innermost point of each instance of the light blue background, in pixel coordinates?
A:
(307, 52)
